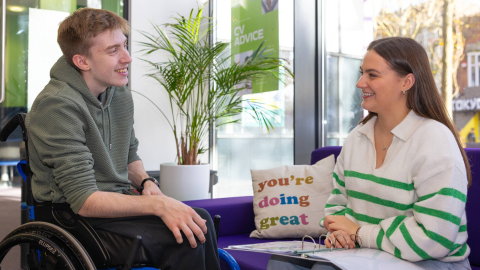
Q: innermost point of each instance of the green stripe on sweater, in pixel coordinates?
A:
(364, 218)
(357, 216)
(338, 213)
(340, 182)
(380, 238)
(396, 222)
(455, 247)
(437, 238)
(380, 180)
(333, 205)
(376, 200)
(437, 213)
(462, 228)
(336, 191)
(447, 192)
(397, 253)
(406, 235)
(461, 252)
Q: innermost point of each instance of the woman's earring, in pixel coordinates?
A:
(403, 92)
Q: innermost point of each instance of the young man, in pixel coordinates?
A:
(83, 148)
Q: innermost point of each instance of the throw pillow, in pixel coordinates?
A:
(289, 201)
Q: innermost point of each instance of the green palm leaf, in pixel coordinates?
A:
(202, 82)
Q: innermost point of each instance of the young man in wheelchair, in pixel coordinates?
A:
(83, 149)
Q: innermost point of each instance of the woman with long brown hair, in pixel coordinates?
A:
(401, 179)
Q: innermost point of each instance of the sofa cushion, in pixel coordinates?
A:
(289, 201)
(236, 213)
(473, 202)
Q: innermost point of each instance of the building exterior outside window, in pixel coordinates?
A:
(473, 67)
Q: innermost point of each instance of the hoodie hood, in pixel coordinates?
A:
(62, 71)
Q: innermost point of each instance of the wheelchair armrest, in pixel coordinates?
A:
(17, 120)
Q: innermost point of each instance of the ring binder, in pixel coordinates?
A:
(332, 245)
(314, 245)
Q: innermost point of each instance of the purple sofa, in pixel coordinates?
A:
(238, 220)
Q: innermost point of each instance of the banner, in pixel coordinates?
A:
(254, 22)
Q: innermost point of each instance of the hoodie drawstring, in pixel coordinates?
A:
(109, 126)
(108, 97)
(104, 129)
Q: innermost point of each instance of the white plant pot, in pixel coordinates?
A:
(185, 182)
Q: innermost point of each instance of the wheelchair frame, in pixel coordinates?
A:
(55, 232)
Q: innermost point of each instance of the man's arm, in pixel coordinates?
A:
(175, 214)
(137, 173)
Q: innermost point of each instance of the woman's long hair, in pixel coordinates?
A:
(405, 56)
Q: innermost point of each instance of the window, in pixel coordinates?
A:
(473, 65)
(345, 42)
(349, 26)
(237, 148)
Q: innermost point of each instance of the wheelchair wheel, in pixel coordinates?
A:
(44, 253)
(70, 246)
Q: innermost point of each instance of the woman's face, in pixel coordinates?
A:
(381, 86)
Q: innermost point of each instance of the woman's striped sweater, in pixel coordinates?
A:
(413, 206)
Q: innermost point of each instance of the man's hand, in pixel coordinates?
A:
(149, 188)
(180, 217)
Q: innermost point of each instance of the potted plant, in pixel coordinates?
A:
(202, 85)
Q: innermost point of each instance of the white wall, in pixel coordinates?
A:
(157, 144)
(43, 49)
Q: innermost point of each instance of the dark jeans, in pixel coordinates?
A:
(160, 244)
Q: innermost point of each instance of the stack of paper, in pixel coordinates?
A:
(358, 258)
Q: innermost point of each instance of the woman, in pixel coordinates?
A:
(400, 182)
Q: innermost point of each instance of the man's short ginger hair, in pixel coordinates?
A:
(76, 32)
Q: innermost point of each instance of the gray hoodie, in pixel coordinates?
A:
(78, 144)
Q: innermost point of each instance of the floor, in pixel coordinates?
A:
(9, 220)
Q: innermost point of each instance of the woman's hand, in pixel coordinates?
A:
(341, 223)
(335, 223)
(341, 241)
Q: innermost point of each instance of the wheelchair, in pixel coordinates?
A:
(56, 238)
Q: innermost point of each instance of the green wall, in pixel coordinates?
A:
(113, 5)
(15, 53)
(59, 5)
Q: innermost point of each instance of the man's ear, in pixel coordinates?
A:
(408, 82)
(81, 62)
